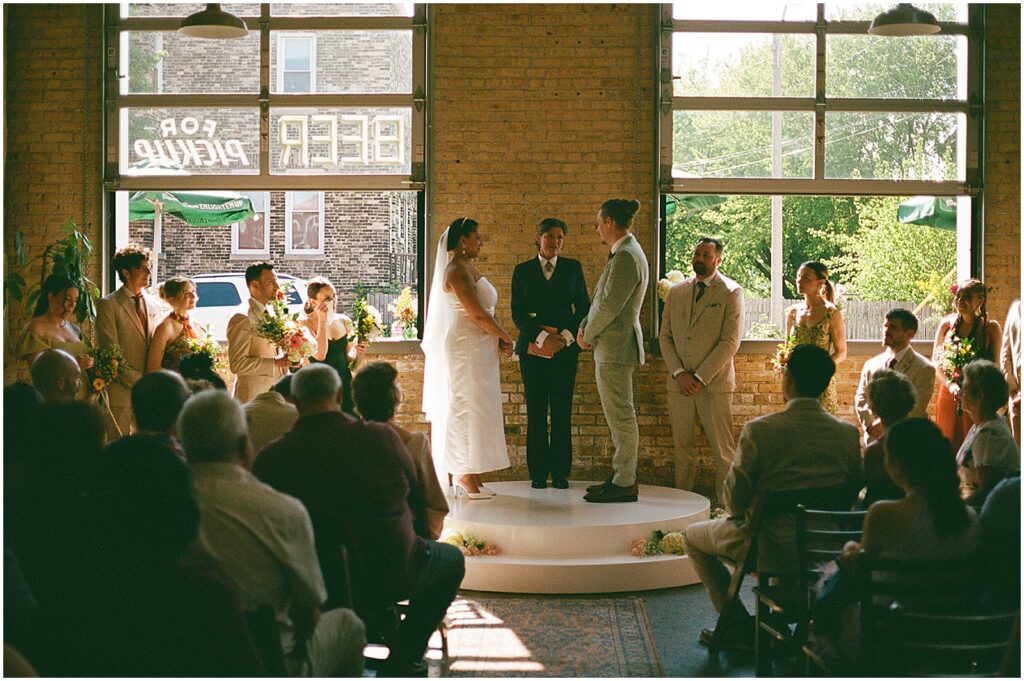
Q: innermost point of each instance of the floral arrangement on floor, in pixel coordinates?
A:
(953, 356)
(283, 329)
(470, 545)
(660, 543)
(404, 310)
(105, 370)
(671, 279)
(209, 347)
(781, 358)
(367, 320)
(718, 512)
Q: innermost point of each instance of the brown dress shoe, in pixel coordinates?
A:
(612, 494)
(600, 485)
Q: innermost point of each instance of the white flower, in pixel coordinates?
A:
(673, 543)
(675, 276)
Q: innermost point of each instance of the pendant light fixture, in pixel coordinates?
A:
(904, 20)
(213, 23)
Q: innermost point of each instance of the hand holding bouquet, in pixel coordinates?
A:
(953, 356)
(781, 358)
(283, 329)
(367, 320)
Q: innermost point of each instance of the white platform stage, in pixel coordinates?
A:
(552, 541)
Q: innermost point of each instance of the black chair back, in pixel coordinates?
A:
(820, 537)
(930, 644)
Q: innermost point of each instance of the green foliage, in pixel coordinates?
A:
(763, 329)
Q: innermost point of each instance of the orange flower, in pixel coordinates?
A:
(98, 385)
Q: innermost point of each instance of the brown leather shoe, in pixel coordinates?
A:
(612, 494)
(600, 485)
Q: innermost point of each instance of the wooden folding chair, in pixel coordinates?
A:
(947, 644)
(820, 536)
(767, 507)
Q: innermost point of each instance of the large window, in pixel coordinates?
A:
(794, 135)
(316, 117)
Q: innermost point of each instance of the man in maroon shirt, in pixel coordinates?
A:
(359, 484)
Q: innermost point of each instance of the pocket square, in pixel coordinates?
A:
(711, 305)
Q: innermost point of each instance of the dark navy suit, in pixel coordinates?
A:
(561, 302)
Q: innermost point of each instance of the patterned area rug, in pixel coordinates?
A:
(551, 637)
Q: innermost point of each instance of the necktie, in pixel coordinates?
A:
(891, 364)
(140, 311)
(549, 269)
(701, 288)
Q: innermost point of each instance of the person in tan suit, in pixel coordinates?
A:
(802, 447)
(700, 334)
(899, 329)
(1009, 360)
(253, 359)
(127, 318)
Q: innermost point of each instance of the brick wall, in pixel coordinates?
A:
(536, 110)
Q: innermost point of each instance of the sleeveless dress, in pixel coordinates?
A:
(475, 437)
(31, 343)
(818, 334)
(949, 417)
(337, 357)
(174, 351)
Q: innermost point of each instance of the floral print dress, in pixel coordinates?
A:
(819, 334)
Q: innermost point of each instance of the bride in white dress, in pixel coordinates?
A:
(462, 346)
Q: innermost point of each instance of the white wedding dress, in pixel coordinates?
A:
(475, 437)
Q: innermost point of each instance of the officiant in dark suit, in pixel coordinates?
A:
(549, 299)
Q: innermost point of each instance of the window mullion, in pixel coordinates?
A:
(264, 140)
(820, 102)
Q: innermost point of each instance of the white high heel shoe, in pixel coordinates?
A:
(487, 490)
(461, 491)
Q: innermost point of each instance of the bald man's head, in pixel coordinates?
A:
(55, 374)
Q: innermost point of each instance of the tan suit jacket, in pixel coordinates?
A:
(269, 416)
(799, 448)
(418, 445)
(914, 366)
(1010, 353)
(118, 324)
(251, 357)
(702, 339)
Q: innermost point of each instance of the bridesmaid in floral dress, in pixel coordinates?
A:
(171, 337)
(970, 322)
(817, 321)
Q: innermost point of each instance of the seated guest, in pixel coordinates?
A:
(989, 452)
(360, 487)
(1000, 539)
(270, 414)
(19, 602)
(899, 329)
(157, 399)
(891, 396)
(21, 401)
(199, 367)
(261, 541)
(377, 395)
(56, 376)
(130, 608)
(799, 448)
(42, 515)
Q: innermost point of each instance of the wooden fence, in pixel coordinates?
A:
(863, 318)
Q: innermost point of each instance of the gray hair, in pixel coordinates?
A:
(985, 381)
(891, 396)
(315, 383)
(210, 426)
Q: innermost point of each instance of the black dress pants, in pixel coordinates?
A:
(549, 385)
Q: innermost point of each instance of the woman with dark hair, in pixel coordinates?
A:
(969, 323)
(989, 452)
(199, 367)
(930, 522)
(817, 321)
(51, 326)
(171, 337)
(332, 333)
(463, 345)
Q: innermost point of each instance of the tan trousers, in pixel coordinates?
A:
(715, 413)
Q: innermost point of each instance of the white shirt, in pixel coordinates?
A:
(618, 244)
(544, 264)
(897, 356)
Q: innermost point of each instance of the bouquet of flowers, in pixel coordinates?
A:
(283, 329)
(367, 320)
(781, 358)
(954, 355)
(404, 310)
(209, 347)
(470, 545)
(106, 368)
(671, 279)
(660, 543)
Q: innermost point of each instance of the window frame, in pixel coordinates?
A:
(310, 38)
(246, 253)
(289, 249)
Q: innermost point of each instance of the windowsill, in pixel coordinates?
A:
(304, 256)
(249, 256)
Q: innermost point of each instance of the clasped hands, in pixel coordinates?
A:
(688, 384)
(505, 347)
